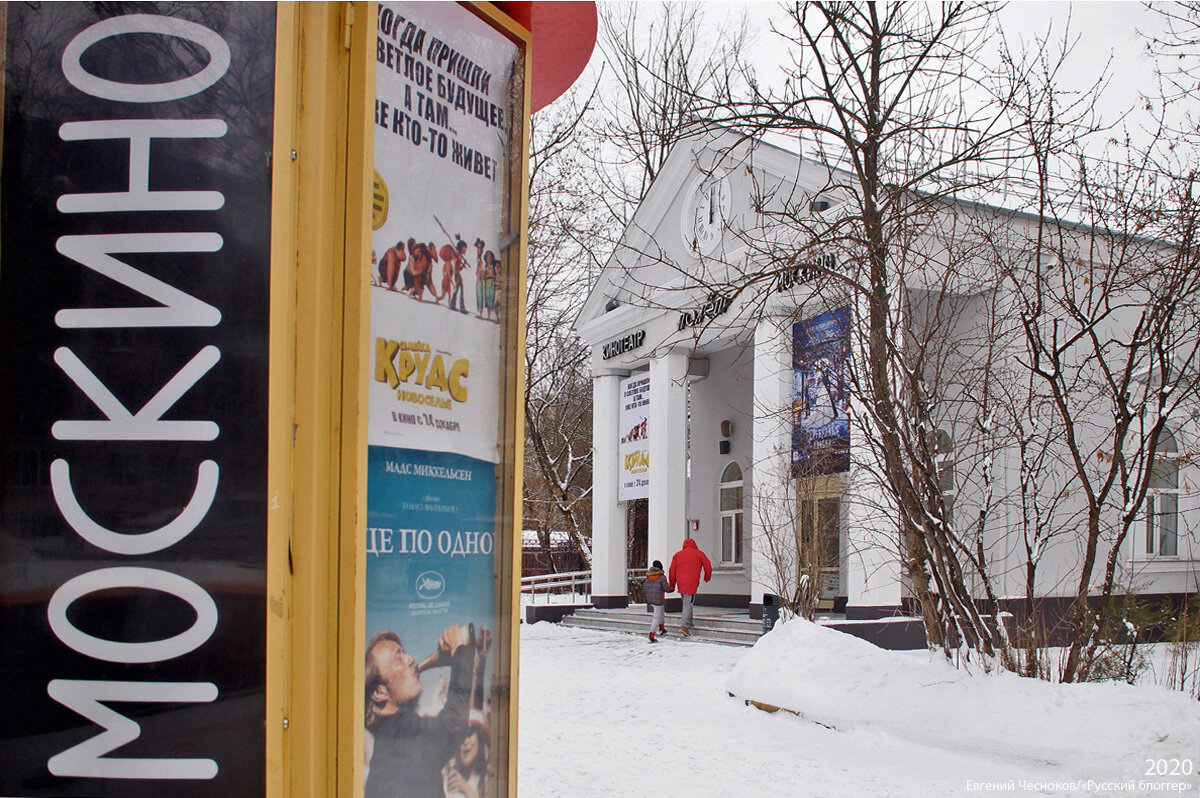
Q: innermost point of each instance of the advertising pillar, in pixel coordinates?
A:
(260, 478)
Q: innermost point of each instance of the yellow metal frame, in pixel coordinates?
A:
(321, 238)
(320, 241)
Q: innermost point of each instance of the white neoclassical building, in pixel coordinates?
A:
(703, 405)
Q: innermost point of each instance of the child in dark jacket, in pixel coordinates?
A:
(654, 589)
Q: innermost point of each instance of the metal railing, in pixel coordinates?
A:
(633, 584)
(568, 582)
(547, 584)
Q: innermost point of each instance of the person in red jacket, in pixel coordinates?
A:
(684, 576)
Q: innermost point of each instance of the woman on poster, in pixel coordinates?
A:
(465, 776)
(485, 286)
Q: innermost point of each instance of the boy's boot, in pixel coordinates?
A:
(686, 631)
(662, 630)
(652, 640)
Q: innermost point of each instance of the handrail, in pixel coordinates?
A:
(549, 583)
(533, 580)
(556, 583)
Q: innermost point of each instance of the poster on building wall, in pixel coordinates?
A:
(634, 444)
(135, 219)
(448, 91)
(821, 395)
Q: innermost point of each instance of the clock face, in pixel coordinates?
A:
(705, 216)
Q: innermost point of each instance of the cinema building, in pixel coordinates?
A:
(709, 400)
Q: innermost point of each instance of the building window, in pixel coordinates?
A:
(731, 514)
(1162, 500)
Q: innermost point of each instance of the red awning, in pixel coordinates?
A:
(564, 35)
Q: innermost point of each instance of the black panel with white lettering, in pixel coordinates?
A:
(135, 235)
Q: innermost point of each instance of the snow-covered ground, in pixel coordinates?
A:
(605, 714)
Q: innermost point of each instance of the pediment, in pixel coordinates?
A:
(669, 253)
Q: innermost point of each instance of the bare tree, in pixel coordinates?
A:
(558, 394)
(579, 158)
(878, 92)
(657, 72)
(1177, 52)
(1100, 290)
(1108, 314)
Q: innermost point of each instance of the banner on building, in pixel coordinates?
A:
(634, 444)
(134, 309)
(449, 99)
(821, 394)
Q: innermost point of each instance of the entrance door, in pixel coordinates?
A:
(821, 537)
(637, 530)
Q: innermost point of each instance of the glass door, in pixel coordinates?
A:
(820, 538)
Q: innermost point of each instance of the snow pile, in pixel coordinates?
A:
(850, 685)
(606, 714)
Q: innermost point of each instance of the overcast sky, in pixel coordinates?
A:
(1101, 31)
(1105, 35)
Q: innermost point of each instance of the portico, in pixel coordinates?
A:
(693, 403)
(695, 406)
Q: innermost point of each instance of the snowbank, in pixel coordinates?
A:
(1093, 730)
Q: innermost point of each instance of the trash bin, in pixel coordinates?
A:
(770, 611)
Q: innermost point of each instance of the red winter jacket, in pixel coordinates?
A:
(686, 566)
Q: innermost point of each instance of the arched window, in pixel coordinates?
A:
(731, 513)
(1162, 501)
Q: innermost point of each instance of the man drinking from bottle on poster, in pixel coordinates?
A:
(409, 750)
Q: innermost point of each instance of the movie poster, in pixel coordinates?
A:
(448, 91)
(821, 395)
(634, 445)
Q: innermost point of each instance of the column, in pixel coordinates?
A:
(873, 573)
(770, 507)
(608, 517)
(668, 455)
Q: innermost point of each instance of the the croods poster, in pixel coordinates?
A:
(448, 91)
(634, 445)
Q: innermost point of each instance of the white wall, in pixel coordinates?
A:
(739, 374)
(1059, 500)
(726, 394)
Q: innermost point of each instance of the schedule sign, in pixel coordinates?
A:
(135, 243)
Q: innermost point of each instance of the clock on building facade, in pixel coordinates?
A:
(705, 215)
